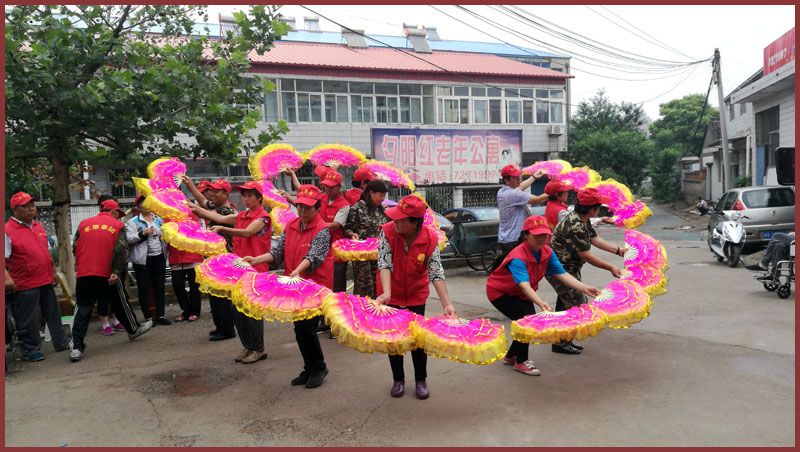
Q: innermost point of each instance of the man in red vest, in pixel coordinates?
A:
(512, 286)
(304, 250)
(100, 259)
(557, 203)
(30, 266)
(408, 261)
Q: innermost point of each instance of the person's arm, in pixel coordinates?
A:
(531, 295)
(132, 233)
(441, 290)
(119, 262)
(9, 283)
(529, 181)
(385, 269)
(352, 222)
(317, 252)
(253, 228)
(590, 258)
(295, 180)
(212, 215)
(195, 192)
(288, 197)
(74, 243)
(572, 282)
(340, 219)
(606, 246)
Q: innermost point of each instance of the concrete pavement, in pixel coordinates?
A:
(713, 365)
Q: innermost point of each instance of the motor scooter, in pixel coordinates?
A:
(726, 239)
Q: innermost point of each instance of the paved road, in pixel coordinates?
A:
(714, 365)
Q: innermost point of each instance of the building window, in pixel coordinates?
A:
(480, 111)
(732, 111)
(450, 111)
(336, 108)
(513, 112)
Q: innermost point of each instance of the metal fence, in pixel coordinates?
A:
(482, 196)
(439, 198)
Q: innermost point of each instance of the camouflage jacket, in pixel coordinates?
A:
(364, 222)
(224, 210)
(570, 237)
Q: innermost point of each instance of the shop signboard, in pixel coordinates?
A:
(779, 52)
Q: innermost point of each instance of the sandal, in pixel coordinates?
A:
(193, 317)
(180, 318)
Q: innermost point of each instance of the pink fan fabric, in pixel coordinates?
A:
(218, 275)
(166, 169)
(389, 173)
(335, 155)
(273, 160)
(356, 250)
(281, 216)
(624, 302)
(643, 249)
(476, 341)
(272, 297)
(549, 167)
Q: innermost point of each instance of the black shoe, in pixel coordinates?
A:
(316, 378)
(566, 349)
(301, 379)
(579, 347)
(222, 337)
(162, 321)
(214, 332)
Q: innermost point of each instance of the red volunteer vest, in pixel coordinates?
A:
(295, 248)
(328, 213)
(177, 256)
(410, 273)
(94, 249)
(30, 264)
(501, 281)
(353, 195)
(258, 243)
(551, 212)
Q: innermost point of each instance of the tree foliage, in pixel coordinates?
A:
(609, 138)
(125, 83)
(666, 175)
(681, 126)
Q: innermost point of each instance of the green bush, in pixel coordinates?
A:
(741, 181)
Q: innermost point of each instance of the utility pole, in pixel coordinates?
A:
(723, 125)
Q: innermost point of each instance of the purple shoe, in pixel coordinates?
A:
(119, 327)
(398, 389)
(107, 330)
(422, 390)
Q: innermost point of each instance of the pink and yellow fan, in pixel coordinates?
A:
(281, 217)
(643, 249)
(549, 167)
(167, 169)
(619, 193)
(335, 155)
(580, 177)
(282, 298)
(356, 250)
(550, 327)
(273, 160)
(218, 275)
(364, 325)
(632, 215)
(191, 237)
(167, 203)
(269, 195)
(477, 341)
(650, 278)
(623, 302)
(389, 173)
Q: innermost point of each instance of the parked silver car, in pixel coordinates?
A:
(766, 211)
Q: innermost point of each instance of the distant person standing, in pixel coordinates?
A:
(30, 267)
(513, 201)
(148, 254)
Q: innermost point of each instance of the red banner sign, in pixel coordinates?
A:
(779, 52)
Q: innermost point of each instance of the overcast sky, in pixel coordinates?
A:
(674, 33)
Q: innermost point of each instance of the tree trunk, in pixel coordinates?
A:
(61, 203)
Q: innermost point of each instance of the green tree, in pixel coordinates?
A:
(681, 125)
(94, 83)
(666, 175)
(609, 138)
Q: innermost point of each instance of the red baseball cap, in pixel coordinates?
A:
(321, 170)
(20, 199)
(109, 205)
(555, 187)
(590, 197)
(203, 185)
(221, 184)
(410, 206)
(537, 224)
(510, 170)
(308, 195)
(331, 178)
(249, 185)
(363, 174)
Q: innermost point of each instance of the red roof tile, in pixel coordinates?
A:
(382, 59)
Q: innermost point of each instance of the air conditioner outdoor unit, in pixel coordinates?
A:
(556, 129)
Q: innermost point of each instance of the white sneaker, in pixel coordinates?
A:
(143, 328)
(75, 355)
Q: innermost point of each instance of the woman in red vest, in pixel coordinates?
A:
(251, 231)
(408, 260)
(512, 286)
(304, 250)
(557, 191)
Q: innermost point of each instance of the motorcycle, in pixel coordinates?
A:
(726, 239)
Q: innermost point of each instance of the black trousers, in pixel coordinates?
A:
(189, 303)
(26, 308)
(339, 276)
(90, 289)
(151, 278)
(251, 331)
(305, 332)
(222, 314)
(418, 356)
(104, 305)
(515, 308)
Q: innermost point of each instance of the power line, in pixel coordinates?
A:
(671, 89)
(642, 59)
(657, 42)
